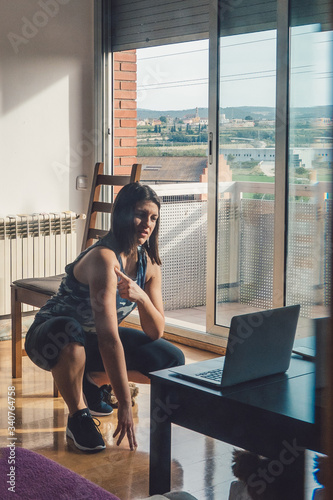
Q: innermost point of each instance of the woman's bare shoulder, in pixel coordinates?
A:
(97, 260)
(153, 269)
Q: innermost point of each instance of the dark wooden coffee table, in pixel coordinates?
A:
(274, 417)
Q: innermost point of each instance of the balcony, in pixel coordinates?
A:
(245, 253)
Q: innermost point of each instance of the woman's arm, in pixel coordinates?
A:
(149, 300)
(102, 282)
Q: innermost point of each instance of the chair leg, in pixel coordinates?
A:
(16, 313)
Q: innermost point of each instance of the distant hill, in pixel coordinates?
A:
(257, 112)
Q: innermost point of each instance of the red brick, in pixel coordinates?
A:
(128, 160)
(124, 132)
(125, 113)
(127, 104)
(129, 143)
(124, 94)
(124, 152)
(125, 75)
(128, 85)
(128, 56)
(116, 123)
(116, 66)
(126, 66)
(117, 85)
(116, 104)
(128, 123)
(116, 143)
(124, 170)
(116, 161)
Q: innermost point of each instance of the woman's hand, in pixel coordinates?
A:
(125, 426)
(127, 288)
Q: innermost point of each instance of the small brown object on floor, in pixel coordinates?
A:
(134, 390)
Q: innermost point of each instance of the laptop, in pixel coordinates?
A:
(259, 344)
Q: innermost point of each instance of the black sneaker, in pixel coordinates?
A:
(85, 433)
(97, 398)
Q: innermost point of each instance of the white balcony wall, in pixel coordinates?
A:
(46, 104)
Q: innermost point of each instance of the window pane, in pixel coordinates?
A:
(246, 171)
(165, 129)
(310, 168)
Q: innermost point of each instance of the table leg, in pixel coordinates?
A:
(295, 477)
(160, 441)
(283, 476)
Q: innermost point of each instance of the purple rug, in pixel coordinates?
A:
(25, 475)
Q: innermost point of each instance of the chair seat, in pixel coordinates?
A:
(48, 285)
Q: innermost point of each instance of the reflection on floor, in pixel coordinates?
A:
(200, 465)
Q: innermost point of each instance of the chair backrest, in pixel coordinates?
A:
(95, 206)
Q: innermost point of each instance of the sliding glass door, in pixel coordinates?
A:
(245, 179)
(246, 174)
(242, 180)
(308, 276)
(270, 157)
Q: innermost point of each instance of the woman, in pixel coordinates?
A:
(76, 334)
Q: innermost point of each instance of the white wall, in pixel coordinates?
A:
(46, 104)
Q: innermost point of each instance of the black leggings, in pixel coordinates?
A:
(44, 342)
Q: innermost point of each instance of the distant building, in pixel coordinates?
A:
(247, 154)
(300, 156)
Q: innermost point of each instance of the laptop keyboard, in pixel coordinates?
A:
(211, 374)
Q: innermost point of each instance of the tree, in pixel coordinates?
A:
(163, 119)
(249, 117)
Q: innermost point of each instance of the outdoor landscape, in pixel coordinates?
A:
(185, 133)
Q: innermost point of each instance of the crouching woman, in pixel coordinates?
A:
(76, 334)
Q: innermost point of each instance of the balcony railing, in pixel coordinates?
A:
(245, 244)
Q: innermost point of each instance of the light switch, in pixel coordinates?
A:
(81, 182)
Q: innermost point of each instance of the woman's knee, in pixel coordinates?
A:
(72, 353)
(177, 355)
(162, 354)
(46, 341)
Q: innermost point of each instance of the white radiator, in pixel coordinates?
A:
(33, 246)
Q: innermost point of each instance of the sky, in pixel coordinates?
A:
(175, 77)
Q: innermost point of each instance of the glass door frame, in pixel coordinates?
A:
(281, 162)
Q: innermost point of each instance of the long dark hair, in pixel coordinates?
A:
(122, 219)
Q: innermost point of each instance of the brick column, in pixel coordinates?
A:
(125, 111)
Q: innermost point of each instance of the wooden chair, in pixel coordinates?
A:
(36, 291)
